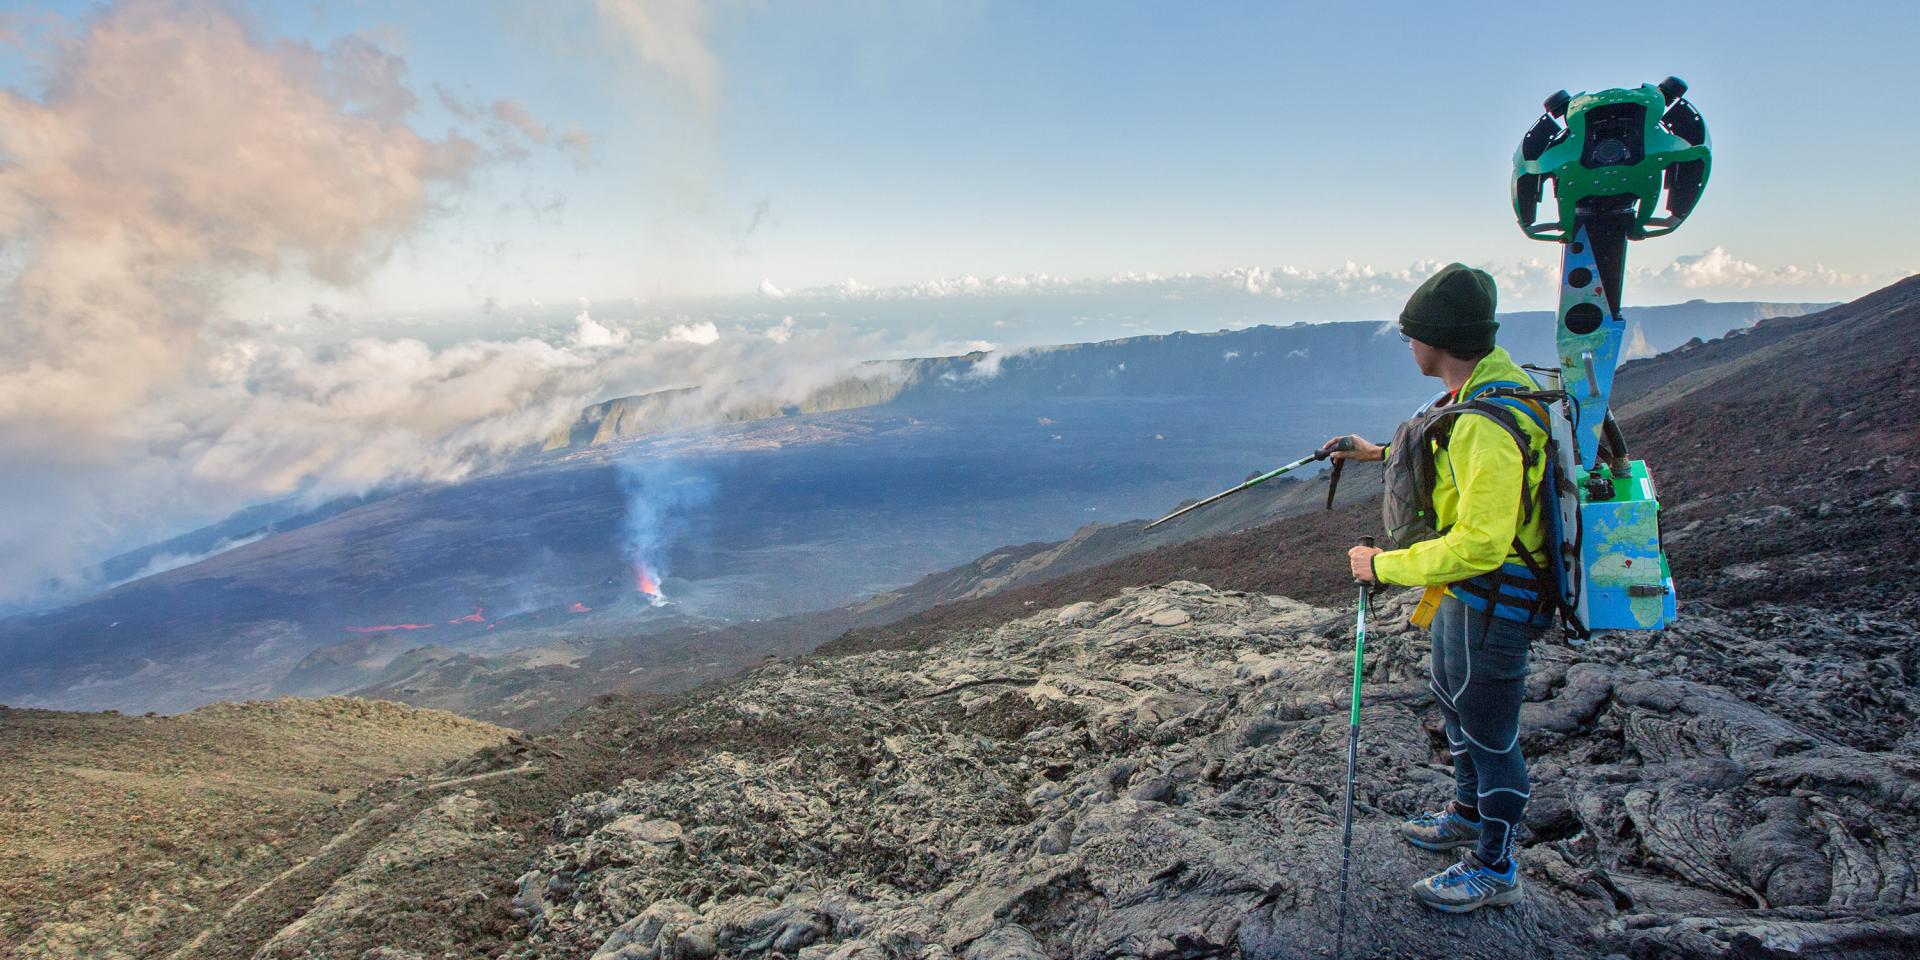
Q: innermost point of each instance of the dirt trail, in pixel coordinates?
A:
(279, 901)
(123, 832)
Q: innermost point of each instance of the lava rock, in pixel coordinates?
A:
(1011, 792)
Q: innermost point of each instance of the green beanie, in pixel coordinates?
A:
(1452, 310)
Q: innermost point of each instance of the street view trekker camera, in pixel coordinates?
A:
(1625, 164)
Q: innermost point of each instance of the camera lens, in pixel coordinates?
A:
(1606, 153)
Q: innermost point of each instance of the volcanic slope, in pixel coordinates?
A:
(1786, 454)
(987, 450)
(121, 831)
(1092, 767)
(534, 689)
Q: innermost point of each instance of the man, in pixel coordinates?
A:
(1479, 659)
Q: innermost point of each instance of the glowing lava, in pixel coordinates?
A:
(579, 607)
(479, 615)
(644, 581)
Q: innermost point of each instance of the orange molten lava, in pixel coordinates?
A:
(643, 580)
(477, 616)
(579, 607)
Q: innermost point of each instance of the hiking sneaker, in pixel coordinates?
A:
(1469, 885)
(1441, 830)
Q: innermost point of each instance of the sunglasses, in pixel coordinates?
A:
(1404, 338)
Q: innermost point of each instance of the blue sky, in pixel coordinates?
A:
(895, 143)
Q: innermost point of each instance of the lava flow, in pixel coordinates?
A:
(479, 615)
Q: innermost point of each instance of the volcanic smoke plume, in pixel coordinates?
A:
(661, 497)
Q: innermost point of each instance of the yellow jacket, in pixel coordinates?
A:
(1476, 499)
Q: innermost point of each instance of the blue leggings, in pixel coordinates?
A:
(1480, 678)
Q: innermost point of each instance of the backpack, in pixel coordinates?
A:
(1532, 591)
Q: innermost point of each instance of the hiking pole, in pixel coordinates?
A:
(1344, 443)
(1353, 758)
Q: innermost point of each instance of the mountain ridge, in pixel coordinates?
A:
(907, 381)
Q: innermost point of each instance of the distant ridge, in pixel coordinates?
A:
(1837, 391)
(1260, 357)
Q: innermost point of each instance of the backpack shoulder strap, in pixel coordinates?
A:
(1523, 398)
(1495, 386)
(1527, 405)
(1509, 421)
(1501, 414)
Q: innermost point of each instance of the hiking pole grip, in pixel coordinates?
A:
(1336, 445)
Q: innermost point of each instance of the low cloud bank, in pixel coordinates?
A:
(267, 420)
(174, 155)
(1715, 272)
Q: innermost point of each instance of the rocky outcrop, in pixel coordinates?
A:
(1159, 774)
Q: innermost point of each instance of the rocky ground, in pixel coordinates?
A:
(1159, 774)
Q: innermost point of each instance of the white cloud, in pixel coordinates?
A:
(128, 211)
(515, 114)
(780, 332)
(700, 332)
(671, 37)
(577, 145)
(986, 359)
(1531, 283)
(1717, 268)
(1230, 355)
(1638, 346)
(588, 332)
(131, 217)
(771, 292)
